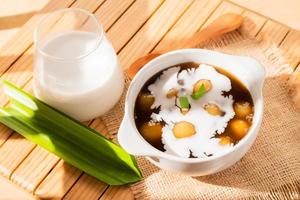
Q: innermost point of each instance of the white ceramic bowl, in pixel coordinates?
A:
(246, 69)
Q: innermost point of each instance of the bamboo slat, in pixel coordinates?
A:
(252, 23)
(8, 191)
(69, 21)
(4, 134)
(291, 47)
(224, 7)
(87, 188)
(272, 33)
(111, 10)
(58, 182)
(131, 21)
(12, 153)
(276, 34)
(100, 127)
(154, 29)
(114, 193)
(34, 168)
(188, 24)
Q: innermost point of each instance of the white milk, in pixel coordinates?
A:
(84, 87)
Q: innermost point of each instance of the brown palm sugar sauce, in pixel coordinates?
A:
(235, 131)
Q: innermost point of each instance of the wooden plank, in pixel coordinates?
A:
(69, 20)
(131, 21)
(252, 23)
(153, 30)
(272, 33)
(116, 193)
(87, 188)
(291, 47)
(59, 181)
(224, 7)
(5, 133)
(13, 152)
(17, 45)
(188, 24)
(34, 168)
(18, 73)
(9, 191)
(111, 10)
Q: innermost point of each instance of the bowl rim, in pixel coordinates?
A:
(130, 112)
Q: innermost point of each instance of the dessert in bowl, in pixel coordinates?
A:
(193, 111)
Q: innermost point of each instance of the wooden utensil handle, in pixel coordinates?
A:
(224, 24)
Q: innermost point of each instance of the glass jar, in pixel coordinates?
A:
(76, 69)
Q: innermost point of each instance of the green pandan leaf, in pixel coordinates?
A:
(67, 138)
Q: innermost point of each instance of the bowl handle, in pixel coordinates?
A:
(132, 142)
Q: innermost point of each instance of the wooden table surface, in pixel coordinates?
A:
(135, 28)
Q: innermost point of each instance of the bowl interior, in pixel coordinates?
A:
(233, 64)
